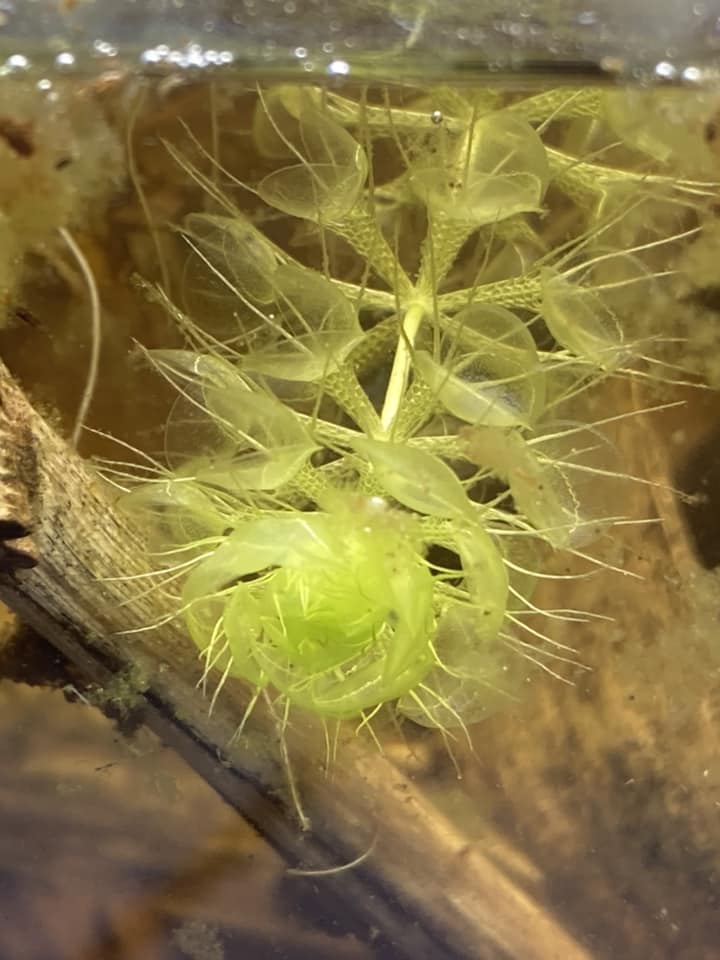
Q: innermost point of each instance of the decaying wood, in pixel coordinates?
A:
(17, 480)
(429, 891)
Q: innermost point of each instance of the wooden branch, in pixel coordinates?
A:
(430, 892)
(17, 480)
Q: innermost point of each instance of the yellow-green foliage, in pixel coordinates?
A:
(376, 443)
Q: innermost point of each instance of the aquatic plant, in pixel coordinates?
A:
(376, 441)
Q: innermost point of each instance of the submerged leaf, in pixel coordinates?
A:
(416, 479)
(593, 312)
(244, 438)
(339, 618)
(498, 169)
(580, 321)
(490, 372)
(571, 487)
(190, 371)
(485, 578)
(567, 485)
(270, 442)
(664, 126)
(275, 122)
(177, 513)
(254, 546)
(327, 182)
(501, 451)
(235, 254)
(476, 675)
(312, 330)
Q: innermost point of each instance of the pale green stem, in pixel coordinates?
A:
(442, 244)
(361, 230)
(343, 387)
(584, 181)
(418, 404)
(401, 366)
(558, 103)
(524, 291)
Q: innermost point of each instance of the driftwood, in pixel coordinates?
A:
(425, 889)
(17, 478)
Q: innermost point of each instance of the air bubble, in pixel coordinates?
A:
(436, 116)
(665, 70)
(339, 68)
(105, 49)
(62, 60)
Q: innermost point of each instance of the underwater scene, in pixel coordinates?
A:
(360, 445)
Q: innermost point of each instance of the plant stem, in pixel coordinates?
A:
(401, 366)
(95, 329)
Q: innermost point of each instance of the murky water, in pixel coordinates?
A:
(494, 312)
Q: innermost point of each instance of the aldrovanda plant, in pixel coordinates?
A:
(373, 447)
